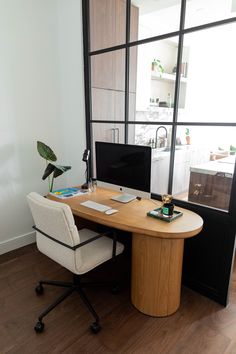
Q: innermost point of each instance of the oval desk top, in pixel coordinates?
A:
(133, 217)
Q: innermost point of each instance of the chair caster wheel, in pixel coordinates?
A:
(115, 289)
(39, 289)
(39, 327)
(95, 327)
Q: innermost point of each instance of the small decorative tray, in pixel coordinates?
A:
(156, 213)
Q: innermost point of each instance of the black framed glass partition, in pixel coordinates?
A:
(162, 73)
(152, 64)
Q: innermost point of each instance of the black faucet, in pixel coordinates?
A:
(157, 133)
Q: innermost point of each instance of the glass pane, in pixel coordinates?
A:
(108, 85)
(208, 93)
(152, 80)
(108, 70)
(159, 138)
(151, 18)
(107, 23)
(113, 133)
(108, 132)
(108, 104)
(199, 12)
(204, 165)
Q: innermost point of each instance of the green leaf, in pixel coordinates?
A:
(187, 131)
(45, 151)
(49, 169)
(59, 170)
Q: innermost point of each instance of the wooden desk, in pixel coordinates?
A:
(157, 247)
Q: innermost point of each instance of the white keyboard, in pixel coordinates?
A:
(96, 206)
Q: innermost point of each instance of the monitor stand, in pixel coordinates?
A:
(124, 198)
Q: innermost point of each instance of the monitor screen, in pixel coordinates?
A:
(124, 165)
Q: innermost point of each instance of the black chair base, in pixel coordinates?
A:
(78, 286)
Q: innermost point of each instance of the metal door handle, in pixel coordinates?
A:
(113, 137)
(118, 134)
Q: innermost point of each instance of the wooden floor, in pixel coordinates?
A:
(200, 326)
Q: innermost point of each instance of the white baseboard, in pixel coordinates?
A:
(17, 242)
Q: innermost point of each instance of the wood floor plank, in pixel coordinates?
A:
(200, 326)
(201, 339)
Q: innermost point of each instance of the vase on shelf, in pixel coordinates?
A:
(188, 140)
(187, 136)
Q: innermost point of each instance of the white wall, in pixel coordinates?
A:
(41, 98)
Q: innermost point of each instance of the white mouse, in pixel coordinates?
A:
(111, 211)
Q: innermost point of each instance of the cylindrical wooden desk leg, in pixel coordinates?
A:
(156, 274)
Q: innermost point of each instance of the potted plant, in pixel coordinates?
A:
(157, 67)
(232, 150)
(187, 136)
(52, 171)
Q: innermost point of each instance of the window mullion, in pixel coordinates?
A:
(127, 66)
(176, 97)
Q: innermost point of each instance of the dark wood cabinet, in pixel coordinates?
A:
(210, 190)
(107, 29)
(107, 23)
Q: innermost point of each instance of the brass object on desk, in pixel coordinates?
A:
(167, 198)
(167, 206)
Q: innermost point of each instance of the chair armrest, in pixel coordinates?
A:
(73, 248)
(90, 240)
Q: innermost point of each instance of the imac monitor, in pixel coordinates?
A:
(126, 168)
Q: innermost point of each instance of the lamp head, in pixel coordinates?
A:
(86, 155)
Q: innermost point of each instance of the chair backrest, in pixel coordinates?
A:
(56, 220)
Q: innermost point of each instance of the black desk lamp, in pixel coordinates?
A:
(85, 158)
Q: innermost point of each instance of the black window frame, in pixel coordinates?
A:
(231, 212)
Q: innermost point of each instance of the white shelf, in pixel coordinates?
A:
(166, 77)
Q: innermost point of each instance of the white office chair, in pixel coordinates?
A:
(58, 238)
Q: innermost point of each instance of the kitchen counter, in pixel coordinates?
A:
(222, 166)
(163, 152)
(210, 183)
(185, 156)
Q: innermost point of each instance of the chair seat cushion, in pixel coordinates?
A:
(94, 253)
